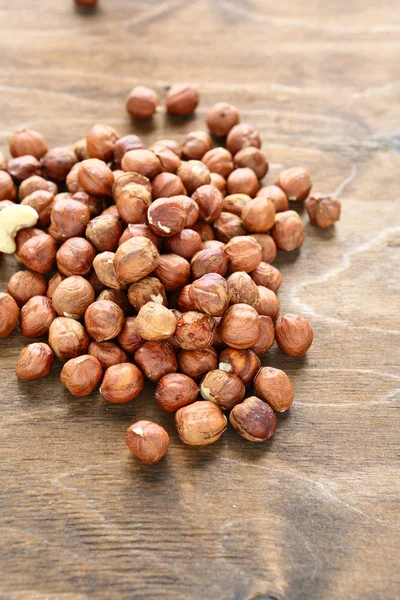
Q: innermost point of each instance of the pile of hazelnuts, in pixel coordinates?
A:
(156, 263)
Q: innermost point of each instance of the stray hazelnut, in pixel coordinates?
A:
(221, 118)
(294, 335)
(36, 317)
(242, 181)
(219, 160)
(295, 182)
(38, 253)
(33, 184)
(274, 387)
(175, 390)
(166, 217)
(200, 423)
(23, 285)
(218, 182)
(58, 162)
(323, 211)
(191, 208)
(193, 174)
(121, 383)
(119, 298)
(27, 141)
(173, 271)
(204, 230)
(224, 389)
(42, 202)
(169, 160)
(156, 359)
(235, 203)
(242, 136)
(143, 162)
(185, 243)
(166, 185)
(196, 144)
(170, 145)
(132, 201)
(288, 231)
(7, 187)
(244, 253)
(124, 144)
(34, 362)
(103, 264)
(268, 246)
(67, 338)
(252, 158)
(147, 441)
(100, 142)
(243, 363)
(142, 102)
(196, 363)
(95, 177)
(149, 289)
(9, 315)
(107, 353)
(68, 219)
(253, 419)
(195, 331)
(75, 257)
(182, 99)
(209, 201)
(135, 259)
(81, 375)
(129, 338)
(104, 320)
(276, 195)
(210, 260)
(80, 149)
(240, 326)
(104, 232)
(209, 294)
(155, 322)
(242, 289)
(228, 226)
(72, 297)
(268, 276)
(267, 337)
(14, 218)
(141, 230)
(54, 282)
(259, 215)
(269, 304)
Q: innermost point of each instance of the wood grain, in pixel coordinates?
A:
(314, 513)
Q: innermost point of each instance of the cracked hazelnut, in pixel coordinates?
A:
(276, 195)
(200, 423)
(196, 144)
(288, 231)
(67, 338)
(169, 160)
(209, 201)
(267, 336)
(129, 338)
(34, 362)
(196, 363)
(253, 419)
(209, 260)
(242, 289)
(240, 326)
(268, 246)
(185, 243)
(34, 184)
(9, 315)
(268, 304)
(274, 387)
(142, 102)
(119, 298)
(254, 159)
(175, 390)
(268, 276)
(104, 320)
(7, 187)
(259, 215)
(81, 375)
(58, 162)
(23, 167)
(242, 181)
(147, 441)
(100, 142)
(243, 363)
(72, 297)
(221, 118)
(23, 285)
(244, 253)
(75, 257)
(149, 289)
(121, 383)
(68, 219)
(156, 359)
(135, 259)
(209, 294)
(141, 230)
(323, 211)
(235, 203)
(195, 331)
(155, 322)
(104, 233)
(295, 182)
(173, 271)
(218, 182)
(218, 160)
(36, 316)
(27, 141)
(38, 253)
(107, 353)
(54, 282)
(42, 202)
(228, 226)
(132, 201)
(143, 162)
(242, 136)
(124, 145)
(294, 335)
(193, 174)
(223, 388)
(166, 217)
(166, 185)
(95, 177)
(103, 264)
(182, 99)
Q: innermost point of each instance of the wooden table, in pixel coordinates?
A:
(313, 514)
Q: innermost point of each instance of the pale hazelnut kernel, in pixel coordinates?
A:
(253, 419)
(147, 441)
(121, 383)
(155, 322)
(175, 390)
(274, 387)
(240, 326)
(81, 375)
(13, 218)
(200, 424)
(223, 388)
(34, 362)
(294, 335)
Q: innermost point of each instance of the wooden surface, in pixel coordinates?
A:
(314, 514)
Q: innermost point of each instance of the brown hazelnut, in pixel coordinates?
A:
(192, 210)
(34, 362)
(228, 226)
(36, 316)
(212, 244)
(170, 145)
(27, 141)
(235, 203)
(295, 182)
(72, 297)
(104, 320)
(94, 203)
(254, 159)
(121, 383)
(259, 215)
(268, 246)
(38, 253)
(184, 302)
(243, 363)
(196, 144)
(156, 359)
(7, 187)
(135, 259)
(276, 195)
(75, 257)
(218, 182)
(107, 353)
(268, 276)
(193, 174)
(129, 338)
(169, 160)
(124, 145)
(253, 419)
(166, 217)
(267, 336)
(218, 160)
(141, 230)
(242, 289)
(23, 285)
(205, 231)
(210, 260)
(42, 202)
(95, 177)
(155, 322)
(127, 178)
(240, 326)
(221, 118)
(132, 201)
(288, 231)
(9, 314)
(3, 161)
(147, 441)
(185, 243)
(195, 331)
(143, 162)
(23, 167)
(274, 387)
(196, 363)
(182, 99)
(242, 181)
(80, 149)
(58, 162)
(95, 282)
(209, 201)
(242, 136)
(104, 233)
(54, 282)
(34, 184)
(200, 423)
(166, 185)
(111, 210)
(323, 211)
(67, 338)
(119, 297)
(71, 180)
(173, 271)
(294, 335)
(244, 253)
(81, 375)
(149, 289)
(268, 304)
(100, 142)
(224, 389)
(209, 294)
(24, 235)
(142, 102)
(68, 219)
(175, 390)
(103, 264)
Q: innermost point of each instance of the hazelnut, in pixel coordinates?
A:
(276, 195)
(196, 363)
(156, 359)
(268, 246)
(95, 282)
(104, 232)
(209, 201)
(166, 185)
(242, 136)
(185, 243)
(209, 294)
(111, 210)
(54, 282)
(155, 322)
(323, 211)
(173, 271)
(147, 441)
(218, 160)
(3, 161)
(81, 375)
(210, 260)
(139, 230)
(127, 178)
(95, 177)
(212, 244)
(196, 144)
(193, 174)
(142, 102)
(34, 184)
(267, 337)
(42, 202)
(68, 219)
(288, 231)
(253, 419)
(100, 142)
(204, 230)
(71, 180)
(135, 259)
(228, 226)
(38, 253)
(195, 331)
(221, 118)
(143, 162)
(7, 187)
(243, 363)
(235, 203)
(184, 302)
(80, 149)
(242, 181)
(218, 182)
(274, 387)
(124, 144)
(94, 203)
(103, 264)
(132, 201)
(58, 162)
(23, 285)
(23, 167)
(149, 289)
(9, 314)
(166, 216)
(104, 320)
(240, 326)
(34, 362)
(259, 215)
(252, 158)
(24, 235)
(72, 297)
(169, 160)
(200, 423)
(119, 298)
(75, 257)
(27, 141)
(294, 335)
(191, 208)
(36, 316)
(295, 182)
(107, 353)
(268, 276)
(242, 289)
(182, 99)
(170, 145)
(129, 338)
(244, 253)
(67, 338)
(121, 383)
(268, 304)
(175, 390)
(224, 389)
